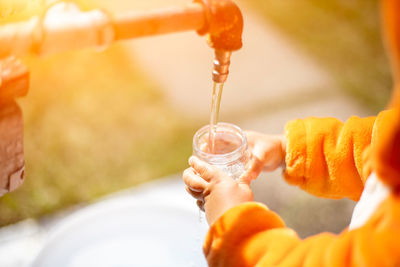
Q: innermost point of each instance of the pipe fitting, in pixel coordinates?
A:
(14, 79)
(224, 24)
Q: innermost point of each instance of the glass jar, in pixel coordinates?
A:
(230, 153)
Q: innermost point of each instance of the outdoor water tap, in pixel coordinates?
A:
(63, 26)
(224, 27)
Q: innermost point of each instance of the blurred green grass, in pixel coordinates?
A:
(94, 124)
(343, 36)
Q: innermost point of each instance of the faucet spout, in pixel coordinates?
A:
(221, 65)
(224, 24)
(224, 28)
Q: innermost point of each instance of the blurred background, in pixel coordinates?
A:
(97, 122)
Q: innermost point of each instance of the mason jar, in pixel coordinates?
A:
(230, 153)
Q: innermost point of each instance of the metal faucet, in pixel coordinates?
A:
(64, 27)
(224, 27)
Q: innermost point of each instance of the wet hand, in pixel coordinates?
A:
(267, 153)
(215, 191)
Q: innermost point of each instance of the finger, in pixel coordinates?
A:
(200, 204)
(204, 170)
(260, 150)
(272, 160)
(254, 169)
(192, 180)
(251, 138)
(194, 194)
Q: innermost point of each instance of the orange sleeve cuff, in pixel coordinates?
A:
(228, 235)
(296, 151)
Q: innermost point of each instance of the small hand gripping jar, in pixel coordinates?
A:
(230, 153)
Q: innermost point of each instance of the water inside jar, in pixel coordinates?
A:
(224, 143)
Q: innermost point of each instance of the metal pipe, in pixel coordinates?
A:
(65, 27)
(178, 19)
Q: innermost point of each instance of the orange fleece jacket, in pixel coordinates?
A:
(324, 157)
(330, 159)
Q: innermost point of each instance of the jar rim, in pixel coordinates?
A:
(215, 158)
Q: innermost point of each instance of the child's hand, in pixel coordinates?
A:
(215, 191)
(268, 153)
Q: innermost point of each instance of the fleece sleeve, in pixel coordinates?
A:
(324, 156)
(252, 235)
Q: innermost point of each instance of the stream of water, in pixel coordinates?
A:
(215, 105)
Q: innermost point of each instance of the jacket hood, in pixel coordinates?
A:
(386, 152)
